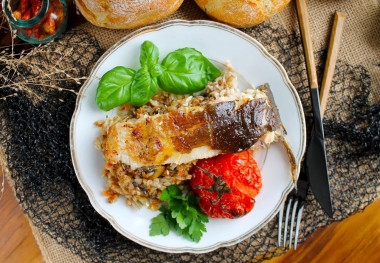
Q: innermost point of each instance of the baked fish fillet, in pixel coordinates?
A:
(229, 124)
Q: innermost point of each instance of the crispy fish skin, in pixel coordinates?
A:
(193, 133)
(169, 138)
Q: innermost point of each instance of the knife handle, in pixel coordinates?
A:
(303, 17)
(336, 36)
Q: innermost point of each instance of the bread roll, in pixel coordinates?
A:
(241, 13)
(124, 14)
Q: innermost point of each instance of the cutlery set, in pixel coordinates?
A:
(314, 172)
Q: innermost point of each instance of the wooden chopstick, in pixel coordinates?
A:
(336, 36)
(303, 17)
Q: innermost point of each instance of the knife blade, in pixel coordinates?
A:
(316, 165)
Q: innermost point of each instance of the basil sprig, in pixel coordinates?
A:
(148, 55)
(186, 71)
(115, 88)
(183, 71)
(143, 87)
(124, 85)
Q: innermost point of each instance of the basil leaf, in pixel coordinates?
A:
(212, 71)
(114, 88)
(186, 71)
(156, 70)
(148, 55)
(143, 87)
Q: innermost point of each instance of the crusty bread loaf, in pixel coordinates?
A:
(241, 13)
(123, 14)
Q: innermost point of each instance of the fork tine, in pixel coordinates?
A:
(286, 218)
(299, 216)
(280, 214)
(292, 222)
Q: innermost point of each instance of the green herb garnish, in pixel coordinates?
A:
(183, 71)
(186, 71)
(182, 215)
(115, 88)
(143, 88)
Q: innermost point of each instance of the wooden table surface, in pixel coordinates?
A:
(355, 239)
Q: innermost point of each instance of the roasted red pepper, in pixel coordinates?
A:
(36, 6)
(227, 184)
(24, 5)
(27, 14)
(48, 25)
(17, 14)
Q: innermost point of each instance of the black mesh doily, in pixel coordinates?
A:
(35, 136)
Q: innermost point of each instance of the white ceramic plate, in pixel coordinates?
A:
(220, 43)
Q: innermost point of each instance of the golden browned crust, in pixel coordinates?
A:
(123, 14)
(241, 13)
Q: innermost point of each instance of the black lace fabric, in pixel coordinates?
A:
(35, 138)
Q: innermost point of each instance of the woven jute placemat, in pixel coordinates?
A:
(36, 122)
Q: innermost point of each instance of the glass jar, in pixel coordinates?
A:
(36, 21)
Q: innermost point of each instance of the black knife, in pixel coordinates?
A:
(316, 166)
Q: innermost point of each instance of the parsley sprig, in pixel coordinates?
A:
(181, 214)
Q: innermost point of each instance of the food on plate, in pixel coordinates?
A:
(226, 120)
(227, 184)
(125, 85)
(241, 13)
(163, 147)
(183, 71)
(150, 147)
(115, 88)
(122, 14)
(180, 213)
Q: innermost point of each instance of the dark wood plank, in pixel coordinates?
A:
(355, 239)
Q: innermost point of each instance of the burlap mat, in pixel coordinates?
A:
(69, 230)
